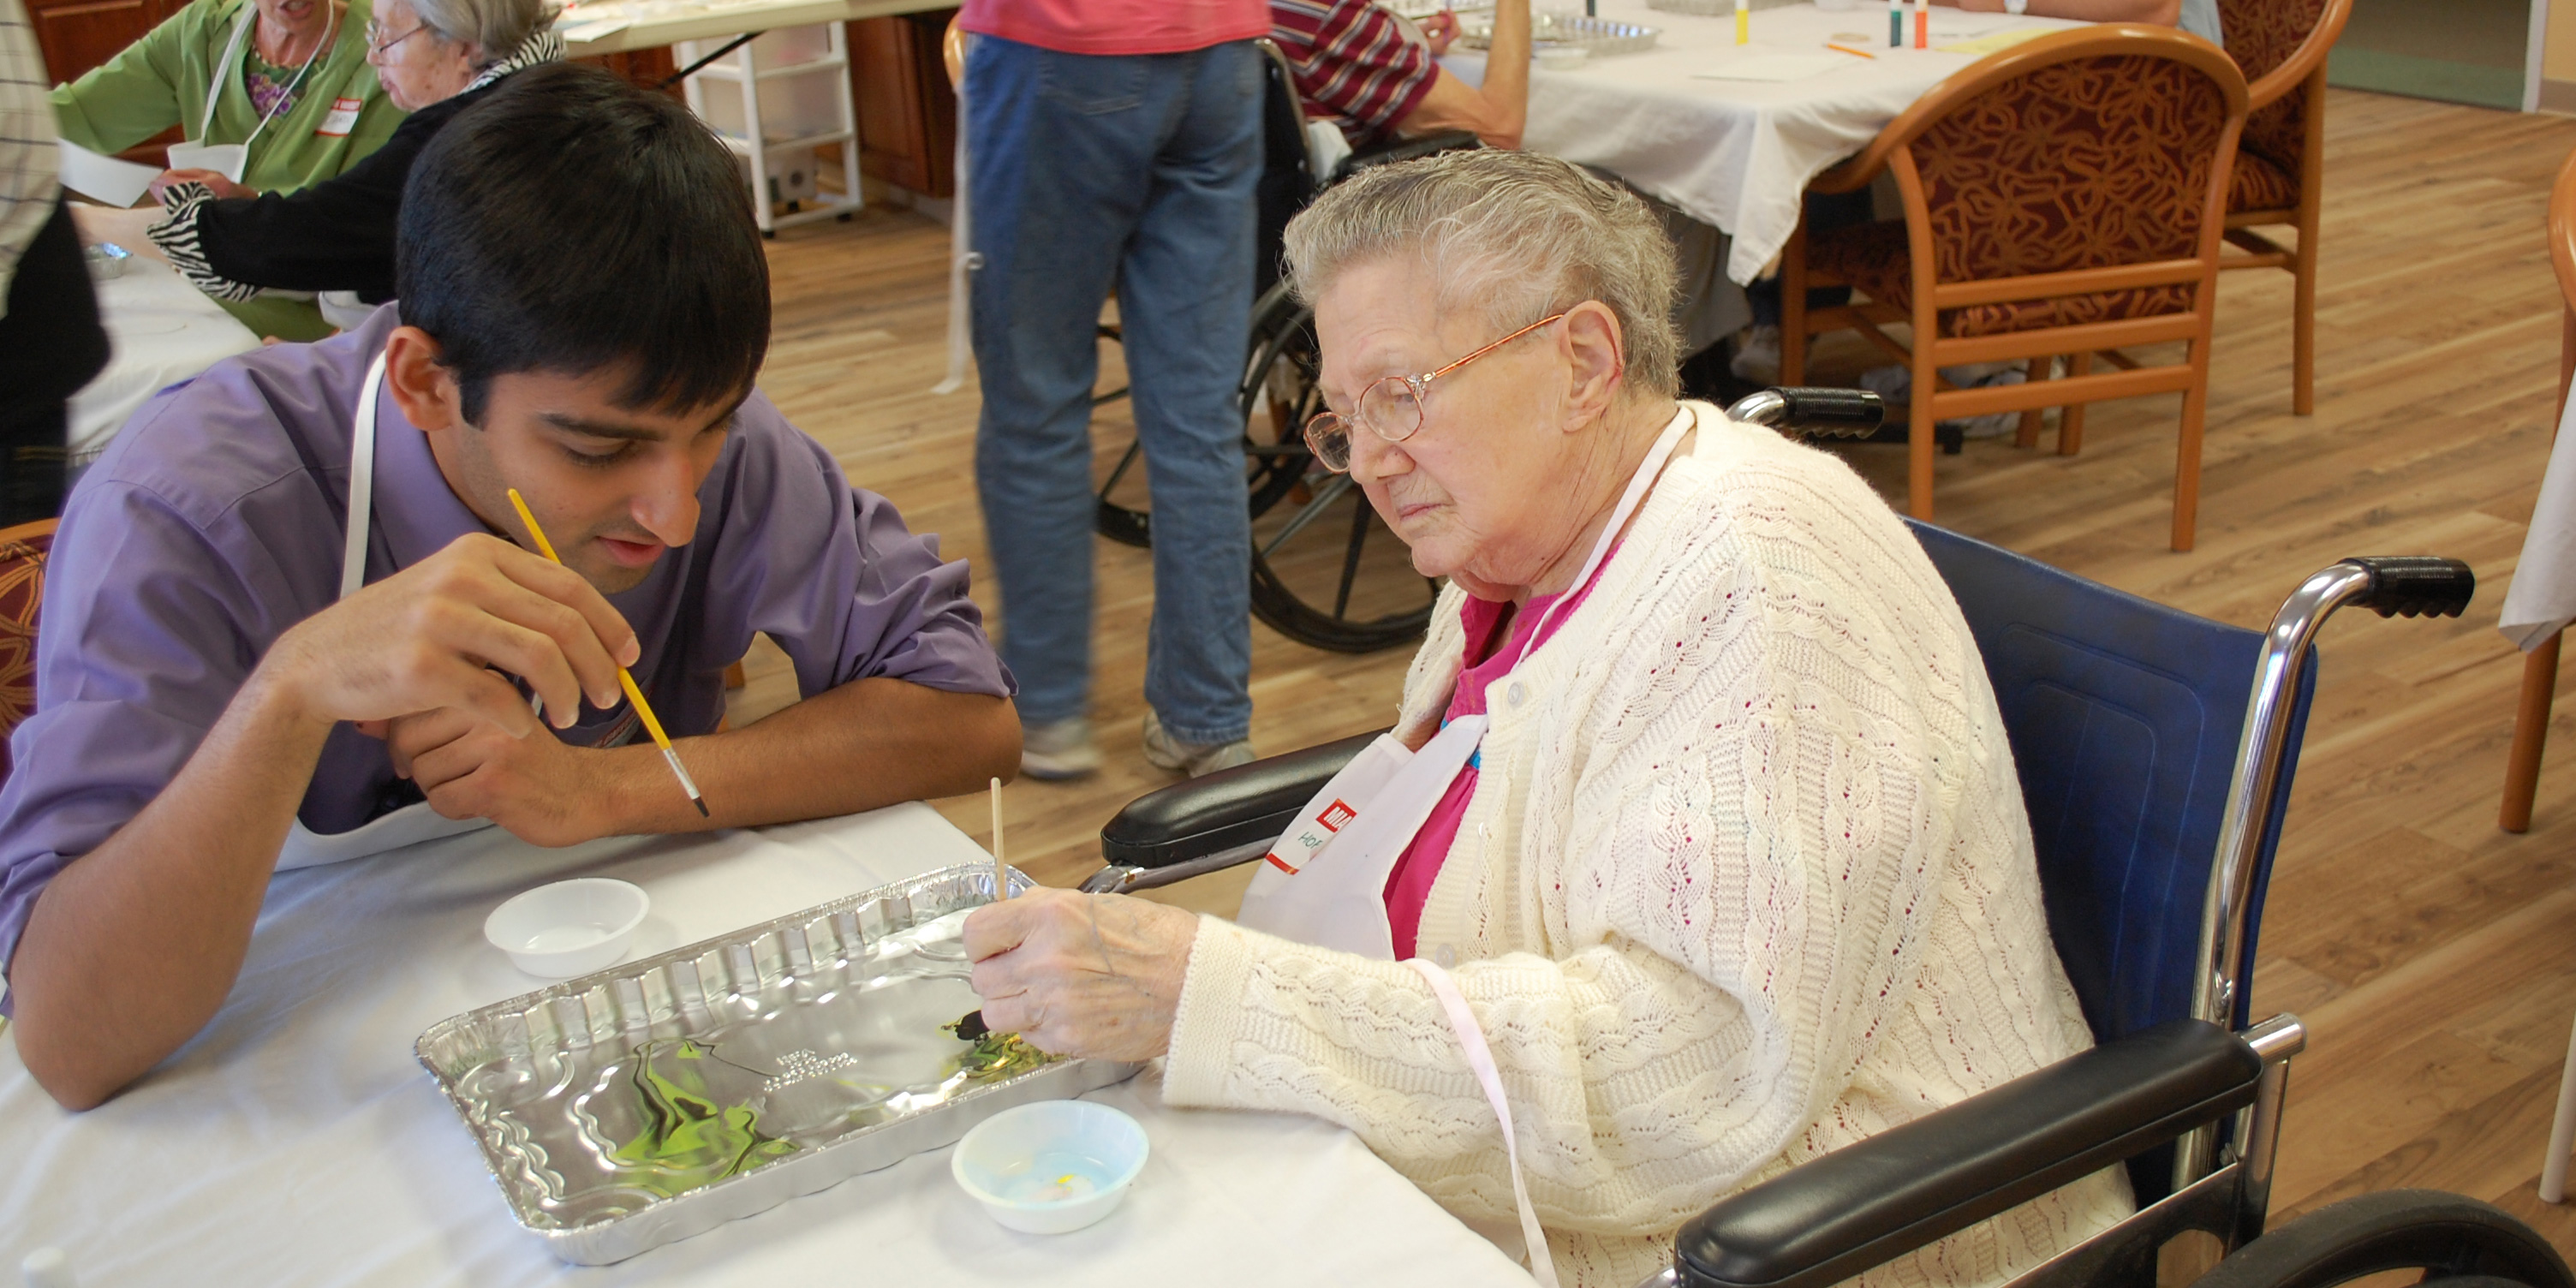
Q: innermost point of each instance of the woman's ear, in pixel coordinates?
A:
(425, 391)
(1595, 367)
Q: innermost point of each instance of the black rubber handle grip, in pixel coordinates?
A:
(2416, 585)
(1840, 413)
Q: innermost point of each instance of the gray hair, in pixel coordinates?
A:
(498, 27)
(1514, 235)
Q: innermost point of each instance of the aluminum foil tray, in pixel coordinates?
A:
(1598, 36)
(658, 1098)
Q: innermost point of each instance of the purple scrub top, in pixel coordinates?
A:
(215, 521)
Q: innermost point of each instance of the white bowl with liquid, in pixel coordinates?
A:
(1051, 1167)
(570, 927)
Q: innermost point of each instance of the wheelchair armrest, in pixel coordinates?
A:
(1406, 150)
(1232, 814)
(1880, 1198)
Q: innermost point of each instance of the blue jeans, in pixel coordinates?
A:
(1086, 172)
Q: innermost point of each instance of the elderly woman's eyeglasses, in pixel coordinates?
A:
(1391, 408)
(376, 36)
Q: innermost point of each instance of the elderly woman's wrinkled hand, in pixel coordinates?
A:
(1082, 974)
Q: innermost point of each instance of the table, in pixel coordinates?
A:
(651, 24)
(160, 331)
(296, 1141)
(1737, 154)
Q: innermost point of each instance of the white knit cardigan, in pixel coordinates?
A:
(1745, 878)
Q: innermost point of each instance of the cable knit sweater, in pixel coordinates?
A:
(1745, 878)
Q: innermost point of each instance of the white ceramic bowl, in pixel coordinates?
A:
(1050, 1167)
(568, 928)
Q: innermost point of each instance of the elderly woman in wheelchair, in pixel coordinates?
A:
(1697, 849)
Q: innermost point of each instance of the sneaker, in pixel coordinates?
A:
(1757, 354)
(1895, 384)
(1059, 750)
(1164, 751)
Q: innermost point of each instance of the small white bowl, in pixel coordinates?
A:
(568, 928)
(1050, 1167)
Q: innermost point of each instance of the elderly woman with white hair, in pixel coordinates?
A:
(1698, 816)
(435, 58)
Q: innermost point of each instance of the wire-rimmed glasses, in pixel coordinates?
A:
(376, 36)
(1391, 407)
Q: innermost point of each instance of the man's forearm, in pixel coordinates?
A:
(184, 877)
(865, 744)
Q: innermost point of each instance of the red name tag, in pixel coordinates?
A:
(342, 118)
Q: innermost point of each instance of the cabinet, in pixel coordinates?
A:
(76, 35)
(907, 113)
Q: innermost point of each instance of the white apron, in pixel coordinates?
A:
(228, 159)
(411, 824)
(1324, 883)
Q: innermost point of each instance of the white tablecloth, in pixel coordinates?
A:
(2542, 600)
(296, 1141)
(160, 331)
(1737, 154)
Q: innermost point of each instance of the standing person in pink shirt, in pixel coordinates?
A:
(1115, 143)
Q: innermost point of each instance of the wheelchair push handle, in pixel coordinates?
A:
(1802, 409)
(2415, 585)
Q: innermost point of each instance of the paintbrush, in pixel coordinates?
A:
(970, 1026)
(633, 694)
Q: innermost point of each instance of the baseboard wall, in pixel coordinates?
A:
(2558, 96)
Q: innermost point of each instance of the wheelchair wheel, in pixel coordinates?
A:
(2456, 1241)
(1326, 571)
(1121, 512)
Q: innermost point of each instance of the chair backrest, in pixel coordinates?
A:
(2281, 44)
(1288, 179)
(23, 550)
(2102, 147)
(2124, 717)
(2562, 257)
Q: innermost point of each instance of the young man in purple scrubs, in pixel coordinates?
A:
(583, 306)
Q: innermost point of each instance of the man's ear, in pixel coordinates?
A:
(426, 392)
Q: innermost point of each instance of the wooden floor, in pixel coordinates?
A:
(2433, 956)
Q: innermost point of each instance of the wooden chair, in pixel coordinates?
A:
(2063, 197)
(23, 551)
(2540, 665)
(2280, 166)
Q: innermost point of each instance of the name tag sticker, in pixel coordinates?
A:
(342, 118)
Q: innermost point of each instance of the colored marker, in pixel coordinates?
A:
(1744, 22)
(1896, 24)
(1922, 24)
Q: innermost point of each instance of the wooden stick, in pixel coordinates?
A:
(1001, 870)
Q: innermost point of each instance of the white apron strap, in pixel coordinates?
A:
(362, 482)
(223, 67)
(1480, 1061)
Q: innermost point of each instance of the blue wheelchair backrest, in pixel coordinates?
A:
(2124, 717)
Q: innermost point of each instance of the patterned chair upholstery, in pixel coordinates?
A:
(22, 591)
(2282, 47)
(2070, 192)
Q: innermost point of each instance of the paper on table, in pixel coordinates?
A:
(1984, 45)
(118, 183)
(1773, 67)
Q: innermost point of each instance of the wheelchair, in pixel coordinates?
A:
(1325, 569)
(2155, 777)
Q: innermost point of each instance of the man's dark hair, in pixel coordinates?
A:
(573, 223)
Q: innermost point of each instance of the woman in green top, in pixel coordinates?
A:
(289, 78)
